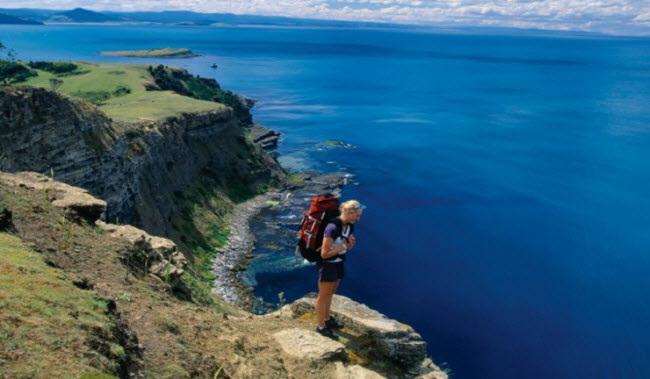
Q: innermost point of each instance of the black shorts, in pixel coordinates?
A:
(329, 271)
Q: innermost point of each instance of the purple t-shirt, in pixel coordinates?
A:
(333, 231)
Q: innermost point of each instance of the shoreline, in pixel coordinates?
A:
(235, 256)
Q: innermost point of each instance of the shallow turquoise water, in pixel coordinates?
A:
(506, 178)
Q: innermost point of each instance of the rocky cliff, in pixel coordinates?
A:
(83, 298)
(142, 170)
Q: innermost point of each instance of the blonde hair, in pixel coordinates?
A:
(349, 205)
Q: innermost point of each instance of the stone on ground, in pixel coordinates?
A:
(302, 343)
(355, 372)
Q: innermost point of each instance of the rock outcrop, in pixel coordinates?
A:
(388, 338)
(266, 138)
(163, 260)
(375, 346)
(75, 201)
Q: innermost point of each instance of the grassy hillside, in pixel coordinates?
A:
(46, 322)
(71, 308)
(120, 90)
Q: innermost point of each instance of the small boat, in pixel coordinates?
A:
(214, 65)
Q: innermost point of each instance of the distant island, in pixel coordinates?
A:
(153, 53)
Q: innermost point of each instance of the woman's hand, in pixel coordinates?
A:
(351, 242)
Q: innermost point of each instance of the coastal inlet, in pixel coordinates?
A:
(263, 238)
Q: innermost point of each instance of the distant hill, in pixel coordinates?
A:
(83, 15)
(179, 18)
(6, 19)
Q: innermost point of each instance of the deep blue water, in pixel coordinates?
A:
(506, 178)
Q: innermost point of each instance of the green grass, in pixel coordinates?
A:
(45, 321)
(105, 84)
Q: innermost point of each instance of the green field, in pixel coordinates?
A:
(153, 53)
(119, 90)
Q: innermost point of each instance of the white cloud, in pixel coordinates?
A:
(596, 15)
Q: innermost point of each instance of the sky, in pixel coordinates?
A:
(608, 16)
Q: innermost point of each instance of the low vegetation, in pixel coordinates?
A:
(125, 92)
(14, 72)
(57, 68)
(47, 323)
(184, 83)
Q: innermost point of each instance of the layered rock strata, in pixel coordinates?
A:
(266, 138)
(140, 170)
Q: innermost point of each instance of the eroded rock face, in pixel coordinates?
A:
(306, 344)
(140, 172)
(398, 342)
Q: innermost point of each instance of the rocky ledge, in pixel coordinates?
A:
(383, 347)
(266, 138)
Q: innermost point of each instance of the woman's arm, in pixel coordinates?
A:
(326, 250)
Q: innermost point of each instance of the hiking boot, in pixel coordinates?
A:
(327, 332)
(332, 323)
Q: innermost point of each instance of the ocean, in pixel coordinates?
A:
(506, 177)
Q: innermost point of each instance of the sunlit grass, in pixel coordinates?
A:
(110, 78)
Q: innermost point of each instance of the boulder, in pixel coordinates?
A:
(141, 240)
(354, 372)
(307, 344)
(398, 342)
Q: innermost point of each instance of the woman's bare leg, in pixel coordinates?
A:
(329, 303)
(324, 300)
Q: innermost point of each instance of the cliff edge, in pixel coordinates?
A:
(83, 298)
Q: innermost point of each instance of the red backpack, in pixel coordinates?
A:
(310, 235)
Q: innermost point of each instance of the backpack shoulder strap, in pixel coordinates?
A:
(339, 224)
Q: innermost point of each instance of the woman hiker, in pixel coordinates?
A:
(338, 238)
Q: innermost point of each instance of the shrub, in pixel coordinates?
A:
(54, 67)
(121, 91)
(13, 72)
(95, 97)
